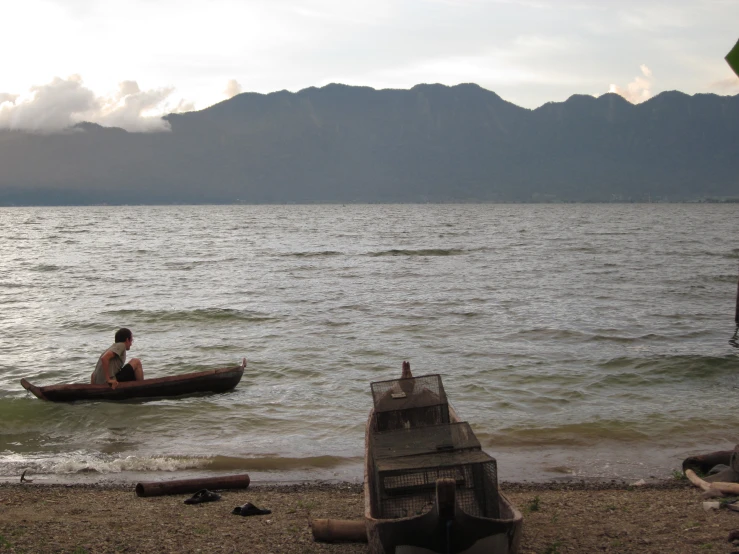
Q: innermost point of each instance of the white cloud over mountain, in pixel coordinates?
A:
(62, 103)
(637, 90)
(233, 88)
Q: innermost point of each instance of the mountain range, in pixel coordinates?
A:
(432, 143)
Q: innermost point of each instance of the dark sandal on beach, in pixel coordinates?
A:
(249, 509)
(203, 495)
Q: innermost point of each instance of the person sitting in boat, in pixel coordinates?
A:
(112, 367)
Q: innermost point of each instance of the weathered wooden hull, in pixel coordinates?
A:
(427, 534)
(214, 380)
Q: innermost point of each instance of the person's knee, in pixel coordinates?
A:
(138, 369)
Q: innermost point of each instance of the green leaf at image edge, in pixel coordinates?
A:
(733, 58)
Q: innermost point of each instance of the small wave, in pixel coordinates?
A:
(621, 339)
(276, 463)
(313, 254)
(45, 268)
(724, 279)
(598, 335)
(85, 326)
(424, 252)
(676, 367)
(628, 380)
(73, 231)
(354, 307)
(196, 316)
(80, 462)
(13, 285)
(575, 434)
(655, 429)
(331, 324)
(468, 314)
(547, 333)
(185, 266)
(730, 255)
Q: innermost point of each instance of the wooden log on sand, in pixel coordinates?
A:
(724, 488)
(185, 486)
(339, 530)
(697, 481)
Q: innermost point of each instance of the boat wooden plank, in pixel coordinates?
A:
(443, 459)
(33, 389)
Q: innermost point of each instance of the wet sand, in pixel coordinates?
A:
(661, 517)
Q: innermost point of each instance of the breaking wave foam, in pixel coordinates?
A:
(80, 462)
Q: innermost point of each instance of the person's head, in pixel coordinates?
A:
(124, 335)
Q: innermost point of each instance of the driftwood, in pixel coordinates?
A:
(724, 488)
(184, 486)
(697, 481)
(339, 530)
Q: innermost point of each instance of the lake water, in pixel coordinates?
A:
(578, 340)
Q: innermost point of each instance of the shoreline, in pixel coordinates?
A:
(605, 461)
(580, 516)
(565, 483)
(554, 485)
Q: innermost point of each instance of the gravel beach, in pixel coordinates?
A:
(662, 517)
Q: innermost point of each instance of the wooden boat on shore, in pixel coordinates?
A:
(428, 486)
(214, 380)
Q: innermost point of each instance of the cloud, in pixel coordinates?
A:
(50, 106)
(183, 106)
(232, 88)
(133, 109)
(637, 90)
(63, 103)
(726, 86)
(5, 97)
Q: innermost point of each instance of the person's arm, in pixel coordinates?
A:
(110, 379)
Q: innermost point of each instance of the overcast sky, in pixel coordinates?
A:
(118, 61)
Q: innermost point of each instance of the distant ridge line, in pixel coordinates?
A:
(430, 143)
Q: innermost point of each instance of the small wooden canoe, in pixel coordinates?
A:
(214, 380)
